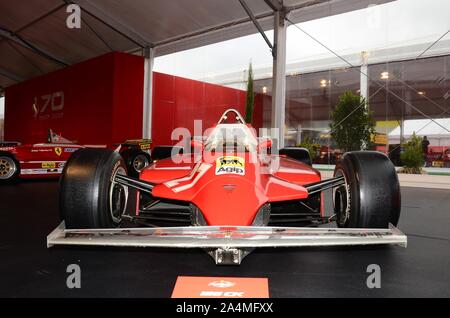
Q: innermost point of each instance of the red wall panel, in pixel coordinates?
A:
(128, 90)
(178, 101)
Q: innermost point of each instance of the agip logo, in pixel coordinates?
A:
(230, 165)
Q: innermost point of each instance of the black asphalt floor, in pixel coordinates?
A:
(29, 211)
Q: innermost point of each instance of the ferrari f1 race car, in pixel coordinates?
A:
(46, 160)
(228, 195)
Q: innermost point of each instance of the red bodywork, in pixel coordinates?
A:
(44, 160)
(233, 197)
(47, 160)
(438, 156)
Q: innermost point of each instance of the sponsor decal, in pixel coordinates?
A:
(41, 150)
(49, 165)
(145, 146)
(70, 150)
(230, 165)
(39, 171)
(439, 164)
(58, 151)
(6, 148)
(220, 287)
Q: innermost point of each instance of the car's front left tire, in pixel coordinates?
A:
(9, 168)
(89, 197)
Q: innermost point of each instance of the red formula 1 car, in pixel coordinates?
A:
(228, 196)
(46, 160)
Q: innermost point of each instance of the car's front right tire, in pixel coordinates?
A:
(89, 197)
(370, 197)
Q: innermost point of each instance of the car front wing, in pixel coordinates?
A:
(226, 244)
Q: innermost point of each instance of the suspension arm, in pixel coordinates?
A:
(134, 183)
(324, 185)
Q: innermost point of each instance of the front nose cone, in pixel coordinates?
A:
(229, 201)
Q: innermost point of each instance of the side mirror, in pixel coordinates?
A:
(265, 144)
(197, 145)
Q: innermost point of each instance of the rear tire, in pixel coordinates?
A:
(370, 197)
(88, 196)
(136, 160)
(9, 168)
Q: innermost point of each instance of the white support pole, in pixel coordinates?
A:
(364, 83)
(148, 93)
(279, 76)
(364, 79)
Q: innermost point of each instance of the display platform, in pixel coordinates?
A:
(29, 269)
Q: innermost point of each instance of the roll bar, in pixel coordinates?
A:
(231, 110)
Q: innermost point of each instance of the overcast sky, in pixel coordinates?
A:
(395, 24)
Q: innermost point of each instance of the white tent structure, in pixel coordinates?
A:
(425, 127)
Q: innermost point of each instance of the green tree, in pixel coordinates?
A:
(351, 125)
(250, 104)
(412, 157)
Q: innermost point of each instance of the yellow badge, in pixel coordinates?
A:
(49, 165)
(58, 151)
(230, 165)
(144, 146)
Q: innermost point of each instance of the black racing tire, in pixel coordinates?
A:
(9, 168)
(136, 160)
(297, 153)
(371, 196)
(88, 196)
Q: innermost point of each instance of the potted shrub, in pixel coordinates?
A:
(351, 124)
(412, 157)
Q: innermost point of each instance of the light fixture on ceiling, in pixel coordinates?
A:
(421, 92)
(385, 75)
(264, 89)
(323, 83)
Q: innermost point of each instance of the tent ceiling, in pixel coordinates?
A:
(33, 27)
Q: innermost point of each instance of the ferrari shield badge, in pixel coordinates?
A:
(230, 165)
(58, 151)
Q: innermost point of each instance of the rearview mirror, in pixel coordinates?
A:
(196, 145)
(265, 144)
